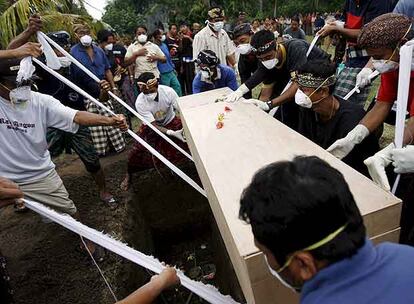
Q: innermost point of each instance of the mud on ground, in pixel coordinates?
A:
(160, 215)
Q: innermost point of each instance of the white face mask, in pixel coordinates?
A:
(271, 63)
(20, 95)
(109, 47)
(151, 96)
(142, 38)
(384, 66)
(278, 276)
(244, 49)
(64, 61)
(217, 26)
(205, 74)
(163, 38)
(86, 40)
(303, 100)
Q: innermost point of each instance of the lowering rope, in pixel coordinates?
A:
(42, 37)
(135, 136)
(207, 292)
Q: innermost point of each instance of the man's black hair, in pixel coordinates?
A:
(141, 26)
(319, 68)
(261, 38)
(294, 204)
(156, 33)
(103, 35)
(295, 18)
(144, 77)
(171, 25)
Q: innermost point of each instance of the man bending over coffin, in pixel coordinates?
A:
(25, 117)
(156, 103)
(307, 224)
(329, 116)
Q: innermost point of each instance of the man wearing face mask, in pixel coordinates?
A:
(306, 222)
(144, 54)
(278, 62)
(212, 74)
(157, 104)
(213, 37)
(248, 62)
(382, 38)
(95, 60)
(168, 76)
(330, 117)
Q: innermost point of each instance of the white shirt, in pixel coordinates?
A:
(206, 39)
(24, 155)
(142, 64)
(160, 110)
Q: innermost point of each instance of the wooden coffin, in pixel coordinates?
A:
(226, 160)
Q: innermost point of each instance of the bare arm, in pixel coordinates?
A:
(110, 78)
(35, 24)
(409, 132)
(149, 292)
(376, 116)
(162, 129)
(28, 49)
(288, 95)
(90, 119)
(231, 60)
(332, 28)
(9, 192)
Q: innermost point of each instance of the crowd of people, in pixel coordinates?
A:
(302, 213)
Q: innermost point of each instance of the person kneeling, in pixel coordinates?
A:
(329, 116)
(156, 103)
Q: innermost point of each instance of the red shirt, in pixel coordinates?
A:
(388, 90)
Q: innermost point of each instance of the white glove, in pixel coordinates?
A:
(236, 95)
(343, 146)
(177, 134)
(363, 79)
(403, 159)
(258, 103)
(26, 69)
(376, 166)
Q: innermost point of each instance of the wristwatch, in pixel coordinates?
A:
(269, 104)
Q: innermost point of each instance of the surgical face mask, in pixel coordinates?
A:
(20, 95)
(244, 49)
(384, 66)
(163, 37)
(303, 100)
(271, 63)
(142, 38)
(109, 47)
(86, 40)
(151, 96)
(205, 74)
(217, 26)
(278, 276)
(64, 62)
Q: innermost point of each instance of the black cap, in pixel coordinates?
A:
(62, 38)
(9, 69)
(242, 29)
(207, 57)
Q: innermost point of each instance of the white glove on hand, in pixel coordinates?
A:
(177, 134)
(258, 103)
(376, 166)
(403, 159)
(236, 95)
(343, 146)
(363, 79)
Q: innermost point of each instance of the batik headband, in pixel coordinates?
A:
(149, 83)
(271, 45)
(307, 80)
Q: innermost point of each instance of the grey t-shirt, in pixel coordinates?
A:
(405, 7)
(299, 34)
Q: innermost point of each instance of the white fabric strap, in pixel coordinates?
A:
(404, 76)
(207, 292)
(44, 39)
(52, 60)
(356, 88)
(313, 43)
(135, 136)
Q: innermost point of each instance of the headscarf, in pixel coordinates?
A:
(215, 12)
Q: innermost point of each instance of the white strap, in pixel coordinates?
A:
(207, 292)
(135, 136)
(404, 76)
(94, 77)
(313, 43)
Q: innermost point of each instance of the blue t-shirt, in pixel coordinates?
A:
(227, 79)
(97, 66)
(405, 7)
(168, 65)
(383, 274)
